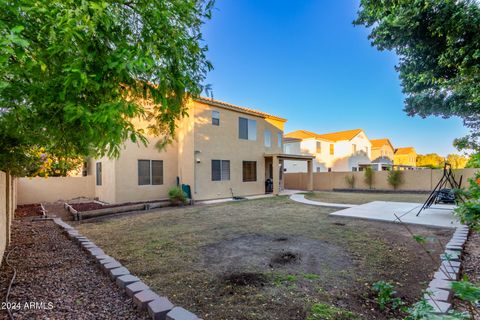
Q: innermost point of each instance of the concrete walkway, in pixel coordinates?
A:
(301, 198)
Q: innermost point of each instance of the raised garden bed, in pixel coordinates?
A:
(28, 210)
(93, 209)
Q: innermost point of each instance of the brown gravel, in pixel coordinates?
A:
(471, 265)
(28, 210)
(52, 269)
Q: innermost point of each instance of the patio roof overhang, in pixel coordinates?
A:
(286, 156)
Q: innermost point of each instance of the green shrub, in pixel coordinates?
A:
(385, 296)
(395, 178)
(350, 180)
(469, 211)
(369, 176)
(177, 196)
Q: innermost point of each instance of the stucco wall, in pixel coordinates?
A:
(126, 171)
(8, 204)
(414, 180)
(36, 190)
(222, 143)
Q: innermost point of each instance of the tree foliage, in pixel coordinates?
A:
(430, 160)
(457, 161)
(73, 74)
(438, 44)
(369, 176)
(395, 178)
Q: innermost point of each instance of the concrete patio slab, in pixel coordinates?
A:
(437, 215)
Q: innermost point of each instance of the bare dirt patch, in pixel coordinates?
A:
(266, 253)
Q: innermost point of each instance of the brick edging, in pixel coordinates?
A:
(143, 297)
(439, 292)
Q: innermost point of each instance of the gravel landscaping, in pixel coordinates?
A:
(59, 277)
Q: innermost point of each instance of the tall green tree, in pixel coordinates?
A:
(438, 45)
(73, 73)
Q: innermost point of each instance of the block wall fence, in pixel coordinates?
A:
(413, 180)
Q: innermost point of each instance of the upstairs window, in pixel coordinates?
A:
(215, 118)
(247, 129)
(354, 148)
(98, 173)
(249, 171)
(268, 139)
(279, 139)
(220, 170)
(319, 147)
(332, 149)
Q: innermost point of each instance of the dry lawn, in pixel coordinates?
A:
(267, 259)
(364, 197)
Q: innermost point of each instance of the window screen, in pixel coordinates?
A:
(243, 128)
(98, 169)
(249, 171)
(225, 169)
(216, 118)
(143, 172)
(252, 130)
(216, 170)
(220, 170)
(268, 138)
(157, 172)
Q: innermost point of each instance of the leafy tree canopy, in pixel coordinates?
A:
(431, 160)
(72, 73)
(438, 44)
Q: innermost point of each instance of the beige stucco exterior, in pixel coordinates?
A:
(382, 151)
(405, 157)
(189, 157)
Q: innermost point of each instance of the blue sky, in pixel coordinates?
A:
(305, 61)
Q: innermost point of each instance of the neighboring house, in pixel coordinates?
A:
(336, 151)
(382, 154)
(220, 150)
(405, 157)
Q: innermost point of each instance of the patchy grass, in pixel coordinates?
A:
(269, 258)
(364, 197)
(320, 311)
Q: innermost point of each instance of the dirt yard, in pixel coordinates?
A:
(267, 259)
(364, 197)
(55, 279)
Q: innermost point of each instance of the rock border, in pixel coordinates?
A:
(143, 297)
(439, 293)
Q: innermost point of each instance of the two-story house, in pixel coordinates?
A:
(220, 150)
(382, 154)
(405, 157)
(335, 151)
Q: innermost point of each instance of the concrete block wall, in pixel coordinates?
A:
(413, 180)
(51, 189)
(8, 204)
